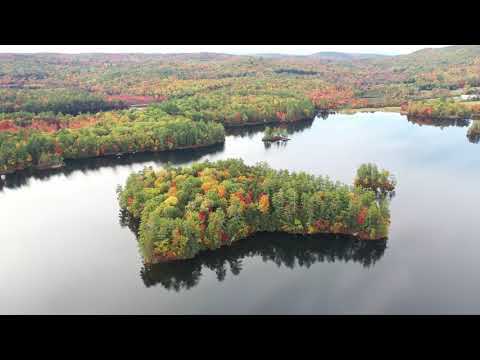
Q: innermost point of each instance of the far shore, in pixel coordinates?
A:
(393, 109)
(106, 155)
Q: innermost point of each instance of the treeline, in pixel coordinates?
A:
(114, 133)
(183, 211)
(57, 101)
(438, 109)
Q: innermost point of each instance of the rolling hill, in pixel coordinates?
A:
(339, 56)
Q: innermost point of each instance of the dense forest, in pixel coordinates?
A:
(389, 80)
(55, 107)
(241, 110)
(183, 211)
(129, 131)
(57, 101)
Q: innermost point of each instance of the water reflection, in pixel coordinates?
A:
(250, 131)
(275, 144)
(283, 249)
(175, 157)
(473, 133)
(474, 138)
(125, 219)
(286, 250)
(441, 123)
(325, 114)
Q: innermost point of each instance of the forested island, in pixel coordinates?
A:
(182, 211)
(275, 134)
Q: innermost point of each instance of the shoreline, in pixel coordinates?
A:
(391, 109)
(354, 236)
(63, 164)
(423, 117)
(266, 122)
(276, 139)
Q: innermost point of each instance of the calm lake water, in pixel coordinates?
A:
(64, 248)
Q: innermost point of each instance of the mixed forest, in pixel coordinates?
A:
(55, 107)
(183, 211)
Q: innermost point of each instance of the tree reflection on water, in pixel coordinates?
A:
(282, 249)
(473, 132)
(175, 157)
(441, 123)
(287, 250)
(250, 131)
(474, 138)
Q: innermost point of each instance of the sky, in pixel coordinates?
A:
(229, 49)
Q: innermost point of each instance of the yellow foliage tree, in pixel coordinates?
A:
(264, 203)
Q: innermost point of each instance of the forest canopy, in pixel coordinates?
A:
(440, 109)
(58, 106)
(183, 211)
(111, 133)
(56, 100)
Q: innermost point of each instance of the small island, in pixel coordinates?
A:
(370, 177)
(274, 135)
(183, 211)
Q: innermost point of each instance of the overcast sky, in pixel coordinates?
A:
(229, 49)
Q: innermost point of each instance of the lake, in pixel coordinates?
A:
(65, 247)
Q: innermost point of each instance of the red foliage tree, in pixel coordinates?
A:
(362, 216)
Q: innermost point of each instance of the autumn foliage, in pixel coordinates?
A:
(216, 204)
(370, 177)
(43, 144)
(334, 98)
(440, 109)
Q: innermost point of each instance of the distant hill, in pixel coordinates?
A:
(325, 55)
(276, 56)
(116, 57)
(339, 56)
(447, 68)
(428, 57)
(431, 58)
